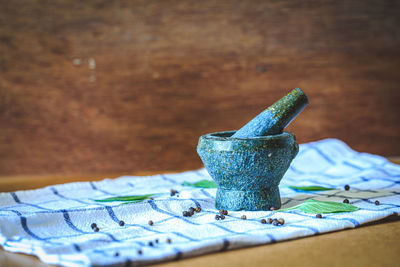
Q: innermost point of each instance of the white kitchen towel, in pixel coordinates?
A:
(54, 223)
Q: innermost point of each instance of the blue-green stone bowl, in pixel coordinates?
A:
(247, 171)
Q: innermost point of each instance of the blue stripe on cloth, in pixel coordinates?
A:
(353, 166)
(76, 246)
(164, 177)
(117, 220)
(25, 226)
(67, 219)
(272, 238)
(353, 221)
(206, 193)
(225, 229)
(154, 207)
(323, 155)
(178, 254)
(196, 202)
(15, 197)
(69, 222)
(112, 214)
(302, 226)
(184, 236)
(55, 192)
(225, 244)
(94, 187)
(17, 200)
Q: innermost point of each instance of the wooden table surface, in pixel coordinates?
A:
(375, 244)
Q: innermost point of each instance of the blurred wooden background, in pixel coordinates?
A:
(111, 86)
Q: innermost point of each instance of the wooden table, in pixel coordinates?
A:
(375, 244)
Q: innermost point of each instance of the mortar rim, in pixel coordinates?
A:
(212, 136)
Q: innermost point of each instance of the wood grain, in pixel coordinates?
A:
(120, 86)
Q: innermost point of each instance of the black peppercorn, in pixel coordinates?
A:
(96, 229)
(156, 241)
(191, 209)
(121, 223)
(173, 192)
(275, 223)
(217, 217)
(318, 215)
(150, 243)
(150, 222)
(190, 213)
(223, 212)
(93, 225)
(169, 240)
(243, 217)
(347, 187)
(186, 214)
(116, 254)
(139, 252)
(263, 221)
(377, 202)
(281, 221)
(269, 220)
(222, 217)
(198, 209)
(346, 201)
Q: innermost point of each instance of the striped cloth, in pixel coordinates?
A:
(54, 223)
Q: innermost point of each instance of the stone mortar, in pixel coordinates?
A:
(247, 171)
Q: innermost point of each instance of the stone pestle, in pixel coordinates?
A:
(276, 117)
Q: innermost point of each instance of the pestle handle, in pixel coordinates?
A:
(276, 117)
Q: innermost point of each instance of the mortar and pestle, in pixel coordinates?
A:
(247, 165)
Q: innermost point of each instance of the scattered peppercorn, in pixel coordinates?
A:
(156, 241)
(217, 217)
(263, 221)
(222, 217)
(93, 225)
(190, 212)
(191, 209)
(318, 215)
(269, 220)
(96, 229)
(116, 254)
(281, 221)
(150, 243)
(169, 240)
(275, 223)
(347, 187)
(121, 223)
(377, 202)
(150, 222)
(139, 252)
(272, 208)
(186, 213)
(173, 192)
(223, 212)
(346, 201)
(243, 217)
(197, 209)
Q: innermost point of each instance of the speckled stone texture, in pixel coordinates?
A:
(276, 117)
(247, 171)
